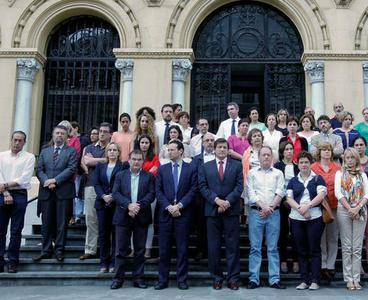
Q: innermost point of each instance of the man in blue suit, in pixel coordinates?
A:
(57, 165)
(221, 184)
(133, 193)
(176, 184)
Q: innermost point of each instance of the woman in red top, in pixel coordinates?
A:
(151, 164)
(327, 168)
(299, 143)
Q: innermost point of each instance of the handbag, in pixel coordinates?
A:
(327, 214)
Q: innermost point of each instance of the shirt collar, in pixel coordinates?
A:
(179, 162)
(99, 145)
(133, 174)
(311, 175)
(60, 147)
(270, 169)
(20, 153)
(224, 160)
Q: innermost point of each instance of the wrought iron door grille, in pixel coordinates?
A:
(243, 33)
(82, 83)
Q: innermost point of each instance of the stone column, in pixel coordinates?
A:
(27, 69)
(315, 70)
(365, 82)
(125, 66)
(180, 71)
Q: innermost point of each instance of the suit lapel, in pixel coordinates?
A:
(61, 154)
(227, 168)
(128, 183)
(183, 174)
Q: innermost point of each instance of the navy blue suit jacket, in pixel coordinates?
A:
(165, 192)
(121, 193)
(101, 183)
(230, 188)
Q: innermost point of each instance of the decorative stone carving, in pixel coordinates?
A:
(11, 2)
(315, 70)
(343, 3)
(154, 2)
(365, 72)
(125, 66)
(181, 69)
(27, 69)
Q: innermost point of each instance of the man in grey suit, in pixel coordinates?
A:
(56, 166)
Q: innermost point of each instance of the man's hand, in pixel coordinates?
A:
(174, 210)
(223, 204)
(48, 182)
(266, 210)
(8, 199)
(134, 208)
(107, 199)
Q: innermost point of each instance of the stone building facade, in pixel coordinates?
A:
(153, 59)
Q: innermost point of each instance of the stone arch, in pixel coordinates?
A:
(41, 16)
(188, 16)
(359, 30)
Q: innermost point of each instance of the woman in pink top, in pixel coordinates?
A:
(239, 143)
(124, 137)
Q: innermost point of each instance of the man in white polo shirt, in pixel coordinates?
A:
(229, 126)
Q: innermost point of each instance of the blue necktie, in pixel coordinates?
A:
(233, 132)
(176, 176)
(166, 134)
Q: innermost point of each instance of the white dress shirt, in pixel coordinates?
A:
(18, 168)
(263, 185)
(160, 131)
(208, 156)
(273, 141)
(224, 130)
(196, 143)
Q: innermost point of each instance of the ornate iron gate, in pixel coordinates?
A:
(81, 81)
(244, 33)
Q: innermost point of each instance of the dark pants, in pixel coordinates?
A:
(199, 225)
(123, 235)
(285, 239)
(178, 228)
(307, 236)
(106, 236)
(14, 212)
(54, 223)
(216, 226)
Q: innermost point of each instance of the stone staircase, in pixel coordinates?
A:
(76, 272)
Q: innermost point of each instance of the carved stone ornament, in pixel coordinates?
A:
(343, 3)
(181, 69)
(125, 66)
(11, 2)
(315, 70)
(365, 72)
(154, 2)
(27, 68)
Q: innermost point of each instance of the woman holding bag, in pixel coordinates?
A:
(327, 168)
(351, 190)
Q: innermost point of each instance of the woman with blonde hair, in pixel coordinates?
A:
(351, 191)
(327, 168)
(145, 126)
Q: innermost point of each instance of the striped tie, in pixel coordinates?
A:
(56, 154)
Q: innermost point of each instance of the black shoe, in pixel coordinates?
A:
(59, 257)
(160, 286)
(277, 286)
(331, 272)
(41, 257)
(12, 269)
(183, 286)
(233, 286)
(116, 285)
(252, 285)
(217, 285)
(140, 284)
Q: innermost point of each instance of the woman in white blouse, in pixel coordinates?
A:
(351, 191)
(307, 126)
(272, 136)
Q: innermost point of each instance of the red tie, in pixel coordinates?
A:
(221, 170)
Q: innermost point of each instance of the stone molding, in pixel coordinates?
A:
(125, 66)
(35, 5)
(181, 69)
(365, 72)
(11, 2)
(359, 28)
(23, 52)
(154, 53)
(27, 69)
(154, 3)
(334, 56)
(316, 70)
(343, 3)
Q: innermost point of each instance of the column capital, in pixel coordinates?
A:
(365, 71)
(27, 69)
(316, 70)
(181, 69)
(125, 66)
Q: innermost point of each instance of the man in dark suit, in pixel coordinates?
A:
(221, 184)
(176, 184)
(133, 193)
(199, 221)
(57, 165)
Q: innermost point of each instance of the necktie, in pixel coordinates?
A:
(176, 176)
(233, 132)
(221, 170)
(166, 134)
(56, 154)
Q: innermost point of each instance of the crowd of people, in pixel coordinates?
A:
(275, 177)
